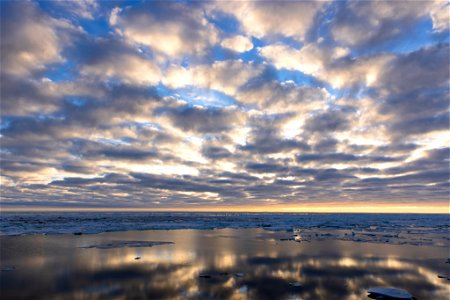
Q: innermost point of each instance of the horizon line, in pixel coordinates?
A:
(372, 209)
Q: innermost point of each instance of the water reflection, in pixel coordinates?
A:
(234, 264)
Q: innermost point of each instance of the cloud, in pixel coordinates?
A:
(326, 144)
(414, 89)
(440, 16)
(331, 65)
(266, 137)
(110, 59)
(268, 19)
(231, 103)
(203, 120)
(423, 69)
(237, 43)
(26, 96)
(225, 76)
(332, 175)
(126, 153)
(171, 184)
(379, 21)
(84, 9)
(180, 30)
(327, 122)
(131, 69)
(272, 96)
(343, 158)
(274, 145)
(308, 60)
(266, 168)
(214, 152)
(414, 125)
(30, 39)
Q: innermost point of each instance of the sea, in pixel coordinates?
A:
(414, 229)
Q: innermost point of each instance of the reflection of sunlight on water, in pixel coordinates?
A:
(187, 273)
(37, 261)
(347, 262)
(432, 278)
(410, 272)
(225, 260)
(170, 256)
(325, 270)
(290, 275)
(429, 275)
(114, 258)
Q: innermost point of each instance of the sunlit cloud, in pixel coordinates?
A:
(225, 105)
(237, 43)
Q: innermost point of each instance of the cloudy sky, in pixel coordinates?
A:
(225, 105)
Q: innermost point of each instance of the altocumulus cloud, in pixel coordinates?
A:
(206, 104)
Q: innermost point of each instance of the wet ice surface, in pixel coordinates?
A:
(215, 264)
(412, 229)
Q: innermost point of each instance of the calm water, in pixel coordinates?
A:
(57, 267)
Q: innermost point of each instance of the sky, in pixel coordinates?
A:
(228, 105)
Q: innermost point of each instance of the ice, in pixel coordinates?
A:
(295, 284)
(129, 244)
(390, 292)
(413, 229)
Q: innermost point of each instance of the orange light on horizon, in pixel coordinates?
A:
(428, 208)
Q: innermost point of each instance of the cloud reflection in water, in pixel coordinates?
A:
(55, 267)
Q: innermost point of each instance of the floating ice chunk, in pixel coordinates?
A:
(295, 284)
(243, 290)
(389, 292)
(239, 274)
(130, 244)
(102, 290)
(297, 238)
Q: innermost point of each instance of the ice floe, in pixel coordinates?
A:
(129, 244)
(388, 293)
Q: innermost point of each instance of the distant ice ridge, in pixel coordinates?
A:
(382, 228)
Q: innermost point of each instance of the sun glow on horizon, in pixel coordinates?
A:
(411, 208)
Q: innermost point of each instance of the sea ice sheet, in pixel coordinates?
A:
(414, 229)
